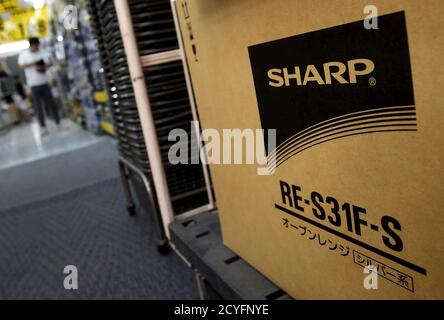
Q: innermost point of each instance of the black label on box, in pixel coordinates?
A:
(334, 83)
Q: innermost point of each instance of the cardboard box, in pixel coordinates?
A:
(13, 113)
(359, 122)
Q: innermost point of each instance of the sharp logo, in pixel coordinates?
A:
(320, 86)
(329, 73)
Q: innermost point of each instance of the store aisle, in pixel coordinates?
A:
(24, 144)
(69, 209)
(58, 174)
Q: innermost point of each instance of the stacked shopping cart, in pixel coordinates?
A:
(170, 106)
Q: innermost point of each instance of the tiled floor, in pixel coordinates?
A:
(24, 144)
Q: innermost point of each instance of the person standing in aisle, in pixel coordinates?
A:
(34, 64)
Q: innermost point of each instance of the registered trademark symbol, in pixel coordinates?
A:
(372, 81)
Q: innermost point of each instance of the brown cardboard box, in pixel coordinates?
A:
(364, 185)
(13, 113)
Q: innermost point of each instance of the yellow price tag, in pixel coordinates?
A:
(18, 23)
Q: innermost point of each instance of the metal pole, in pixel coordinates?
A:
(145, 114)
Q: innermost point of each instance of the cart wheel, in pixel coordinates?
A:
(163, 248)
(131, 209)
